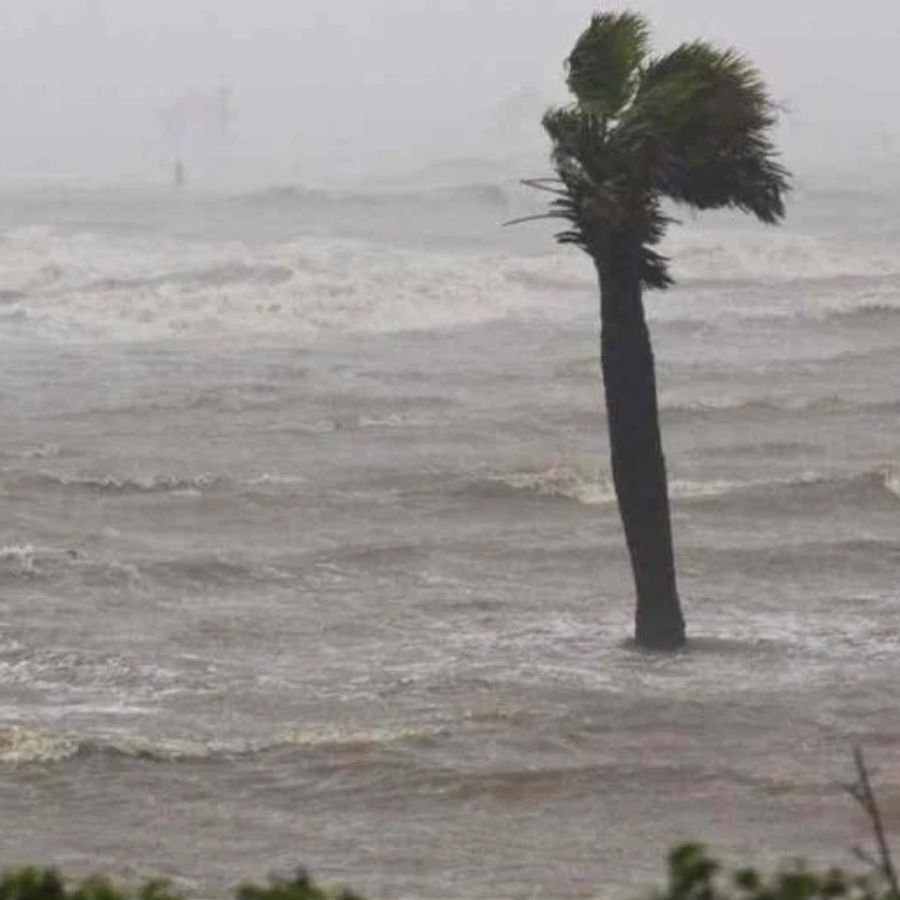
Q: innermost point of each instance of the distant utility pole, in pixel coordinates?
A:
(195, 123)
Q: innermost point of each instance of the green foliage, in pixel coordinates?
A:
(692, 126)
(709, 114)
(604, 63)
(298, 887)
(33, 883)
(694, 875)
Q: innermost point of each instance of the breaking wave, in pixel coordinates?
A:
(91, 286)
(752, 255)
(20, 745)
(28, 561)
(567, 483)
(87, 287)
(112, 485)
(562, 482)
(170, 484)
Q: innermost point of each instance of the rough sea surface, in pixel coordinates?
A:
(309, 554)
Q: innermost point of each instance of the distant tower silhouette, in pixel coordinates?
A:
(224, 98)
(196, 125)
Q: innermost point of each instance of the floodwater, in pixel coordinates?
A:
(309, 551)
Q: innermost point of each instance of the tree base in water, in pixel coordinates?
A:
(661, 641)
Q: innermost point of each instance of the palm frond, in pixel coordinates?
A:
(692, 126)
(599, 197)
(655, 270)
(703, 118)
(603, 67)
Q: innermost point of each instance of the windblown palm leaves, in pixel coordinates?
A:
(692, 126)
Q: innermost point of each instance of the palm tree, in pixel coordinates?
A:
(691, 127)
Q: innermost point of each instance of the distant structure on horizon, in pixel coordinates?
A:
(195, 123)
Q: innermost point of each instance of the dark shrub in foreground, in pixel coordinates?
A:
(693, 875)
(32, 883)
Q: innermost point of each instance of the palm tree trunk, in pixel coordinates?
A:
(638, 465)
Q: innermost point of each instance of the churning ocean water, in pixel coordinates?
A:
(309, 552)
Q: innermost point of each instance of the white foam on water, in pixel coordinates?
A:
(86, 286)
(18, 558)
(561, 481)
(353, 737)
(892, 479)
(564, 481)
(23, 745)
(569, 483)
(19, 746)
(774, 254)
(137, 484)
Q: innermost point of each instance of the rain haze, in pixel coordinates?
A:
(312, 551)
(329, 89)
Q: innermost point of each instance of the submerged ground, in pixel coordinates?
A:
(309, 552)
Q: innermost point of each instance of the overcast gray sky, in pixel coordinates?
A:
(374, 85)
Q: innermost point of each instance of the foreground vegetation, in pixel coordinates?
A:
(693, 874)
